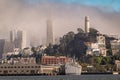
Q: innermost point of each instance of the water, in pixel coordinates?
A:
(81, 77)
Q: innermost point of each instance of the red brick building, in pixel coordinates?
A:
(54, 60)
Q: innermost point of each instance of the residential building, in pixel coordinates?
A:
(117, 64)
(115, 46)
(98, 48)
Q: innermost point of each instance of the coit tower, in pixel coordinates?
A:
(49, 32)
(87, 24)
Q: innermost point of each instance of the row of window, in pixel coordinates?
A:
(20, 67)
(21, 71)
(54, 59)
(53, 62)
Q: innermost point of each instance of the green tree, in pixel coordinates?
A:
(80, 30)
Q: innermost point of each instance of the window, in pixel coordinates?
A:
(11, 66)
(32, 71)
(5, 72)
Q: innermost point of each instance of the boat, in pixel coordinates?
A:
(115, 72)
(73, 68)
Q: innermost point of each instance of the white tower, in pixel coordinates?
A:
(49, 32)
(87, 24)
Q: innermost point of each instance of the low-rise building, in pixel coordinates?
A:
(18, 68)
(28, 69)
(115, 46)
(27, 60)
(54, 60)
(50, 69)
(97, 48)
(117, 64)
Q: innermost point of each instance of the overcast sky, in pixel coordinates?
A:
(67, 15)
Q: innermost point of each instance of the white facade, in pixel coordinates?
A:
(73, 68)
(96, 49)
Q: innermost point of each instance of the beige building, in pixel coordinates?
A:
(96, 49)
(18, 68)
(117, 64)
(50, 69)
(115, 46)
(28, 69)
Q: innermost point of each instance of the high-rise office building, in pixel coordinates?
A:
(21, 39)
(5, 47)
(49, 32)
(18, 38)
(13, 36)
(87, 24)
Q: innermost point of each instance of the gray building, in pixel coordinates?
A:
(49, 32)
(5, 47)
(18, 38)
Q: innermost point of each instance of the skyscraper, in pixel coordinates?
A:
(49, 32)
(13, 36)
(21, 39)
(87, 24)
(5, 47)
(18, 38)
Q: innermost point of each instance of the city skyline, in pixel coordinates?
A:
(67, 15)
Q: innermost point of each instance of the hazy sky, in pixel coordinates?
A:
(67, 15)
